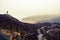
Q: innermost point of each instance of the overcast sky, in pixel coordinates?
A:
(25, 8)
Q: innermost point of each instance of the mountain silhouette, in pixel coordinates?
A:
(11, 26)
(11, 23)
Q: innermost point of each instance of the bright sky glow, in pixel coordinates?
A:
(25, 8)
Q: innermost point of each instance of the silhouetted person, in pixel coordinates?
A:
(7, 12)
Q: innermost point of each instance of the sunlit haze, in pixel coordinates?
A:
(24, 8)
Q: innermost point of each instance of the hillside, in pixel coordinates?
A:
(10, 26)
(13, 29)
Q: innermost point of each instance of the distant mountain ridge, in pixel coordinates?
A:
(42, 18)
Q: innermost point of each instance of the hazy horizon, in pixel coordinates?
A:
(24, 8)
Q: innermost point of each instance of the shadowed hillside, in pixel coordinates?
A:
(10, 25)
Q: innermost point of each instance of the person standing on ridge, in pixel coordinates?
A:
(7, 12)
